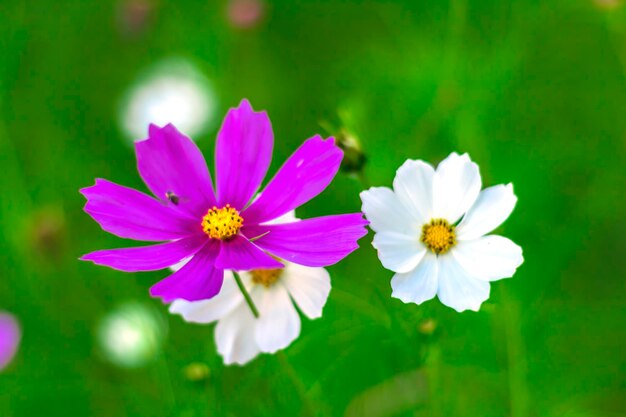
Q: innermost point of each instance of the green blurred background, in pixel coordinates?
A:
(535, 91)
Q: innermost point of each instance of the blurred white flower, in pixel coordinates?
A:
(173, 91)
(131, 335)
(430, 230)
(239, 336)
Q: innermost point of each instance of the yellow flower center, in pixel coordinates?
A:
(266, 277)
(222, 223)
(438, 236)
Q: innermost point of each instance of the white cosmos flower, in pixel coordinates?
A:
(239, 336)
(419, 235)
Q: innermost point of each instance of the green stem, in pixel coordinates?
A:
(614, 39)
(433, 369)
(308, 408)
(246, 295)
(362, 178)
(165, 375)
(516, 357)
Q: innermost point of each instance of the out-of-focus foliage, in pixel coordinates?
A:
(534, 91)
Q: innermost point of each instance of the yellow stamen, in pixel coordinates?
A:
(222, 223)
(438, 236)
(266, 277)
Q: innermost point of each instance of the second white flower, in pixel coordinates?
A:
(431, 231)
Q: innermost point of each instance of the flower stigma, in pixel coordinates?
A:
(438, 236)
(222, 223)
(266, 277)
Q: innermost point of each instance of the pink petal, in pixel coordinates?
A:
(131, 214)
(198, 279)
(303, 176)
(242, 154)
(240, 254)
(10, 335)
(148, 258)
(171, 164)
(320, 241)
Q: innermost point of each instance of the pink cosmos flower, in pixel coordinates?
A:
(226, 228)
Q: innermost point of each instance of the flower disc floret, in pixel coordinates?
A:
(438, 236)
(266, 277)
(222, 223)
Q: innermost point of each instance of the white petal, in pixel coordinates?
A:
(207, 311)
(288, 217)
(493, 206)
(457, 288)
(455, 187)
(399, 252)
(418, 285)
(386, 212)
(279, 322)
(180, 264)
(309, 288)
(246, 280)
(489, 258)
(234, 336)
(413, 185)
